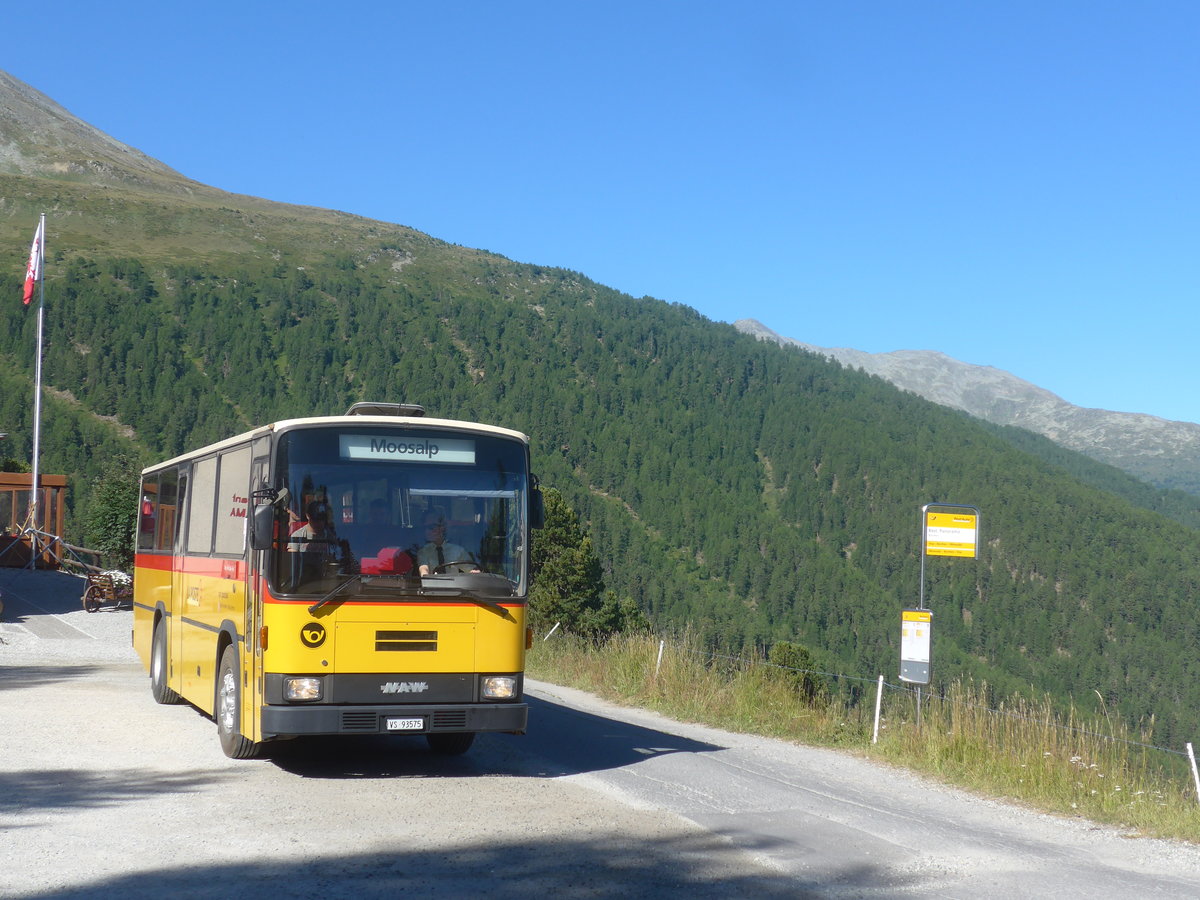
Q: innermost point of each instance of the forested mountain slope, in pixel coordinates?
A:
(1156, 450)
(747, 491)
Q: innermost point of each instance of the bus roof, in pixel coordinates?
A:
(283, 425)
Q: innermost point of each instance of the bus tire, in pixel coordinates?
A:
(228, 709)
(452, 743)
(158, 666)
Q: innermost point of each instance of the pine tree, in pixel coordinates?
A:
(112, 514)
(567, 584)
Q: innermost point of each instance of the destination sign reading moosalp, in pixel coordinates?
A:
(407, 448)
(951, 533)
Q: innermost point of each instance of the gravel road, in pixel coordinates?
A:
(105, 793)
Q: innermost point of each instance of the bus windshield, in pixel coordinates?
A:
(400, 509)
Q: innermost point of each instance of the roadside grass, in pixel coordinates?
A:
(1024, 751)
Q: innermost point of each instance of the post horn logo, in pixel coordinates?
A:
(312, 634)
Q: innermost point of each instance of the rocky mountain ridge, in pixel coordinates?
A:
(39, 137)
(1162, 452)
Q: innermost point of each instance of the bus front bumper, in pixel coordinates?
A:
(289, 721)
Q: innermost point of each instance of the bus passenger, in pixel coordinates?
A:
(317, 535)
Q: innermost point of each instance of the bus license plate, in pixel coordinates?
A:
(394, 724)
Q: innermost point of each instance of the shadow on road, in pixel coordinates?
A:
(32, 792)
(571, 741)
(508, 869)
(560, 741)
(24, 677)
(26, 592)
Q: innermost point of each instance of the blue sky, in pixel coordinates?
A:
(1012, 183)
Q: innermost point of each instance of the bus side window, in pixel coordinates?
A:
(168, 510)
(148, 513)
(233, 501)
(203, 505)
(180, 514)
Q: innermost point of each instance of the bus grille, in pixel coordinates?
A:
(369, 721)
(360, 721)
(450, 718)
(415, 641)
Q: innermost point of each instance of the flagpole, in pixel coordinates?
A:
(35, 492)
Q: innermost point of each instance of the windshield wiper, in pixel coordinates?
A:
(490, 604)
(466, 595)
(337, 590)
(428, 591)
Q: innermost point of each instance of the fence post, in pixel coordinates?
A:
(878, 704)
(1195, 774)
(658, 664)
(551, 631)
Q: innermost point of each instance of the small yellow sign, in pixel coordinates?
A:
(916, 641)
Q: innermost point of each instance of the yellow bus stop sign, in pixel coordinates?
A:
(952, 532)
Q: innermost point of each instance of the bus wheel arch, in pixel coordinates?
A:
(159, 687)
(227, 705)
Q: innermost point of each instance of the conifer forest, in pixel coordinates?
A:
(748, 493)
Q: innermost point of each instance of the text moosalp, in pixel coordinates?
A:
(401, 448)
(406, 448)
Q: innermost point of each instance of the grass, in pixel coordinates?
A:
(1024, 751)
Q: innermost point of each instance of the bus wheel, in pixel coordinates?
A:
(158, 667)
(451, 744)
(229, 709)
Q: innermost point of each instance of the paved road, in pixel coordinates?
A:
(105, 793)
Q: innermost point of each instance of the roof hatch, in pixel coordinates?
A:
(370, 408)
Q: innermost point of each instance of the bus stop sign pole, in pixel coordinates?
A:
(947, 529)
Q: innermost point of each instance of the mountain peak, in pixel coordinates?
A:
(40, 138)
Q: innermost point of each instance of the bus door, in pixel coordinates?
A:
(199, 599)
(252, 659)
(176, 611)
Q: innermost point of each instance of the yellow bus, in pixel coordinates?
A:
(356, 574)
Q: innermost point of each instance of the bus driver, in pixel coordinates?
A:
(437, 552)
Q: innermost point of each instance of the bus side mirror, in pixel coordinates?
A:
(537, 509)
(262, 526)
(263, 531)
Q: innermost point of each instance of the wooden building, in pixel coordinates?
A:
(14, 513)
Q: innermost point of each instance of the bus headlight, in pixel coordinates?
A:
(498, 687)
(302, 687)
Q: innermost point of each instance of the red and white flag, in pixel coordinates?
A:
(34, 270)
